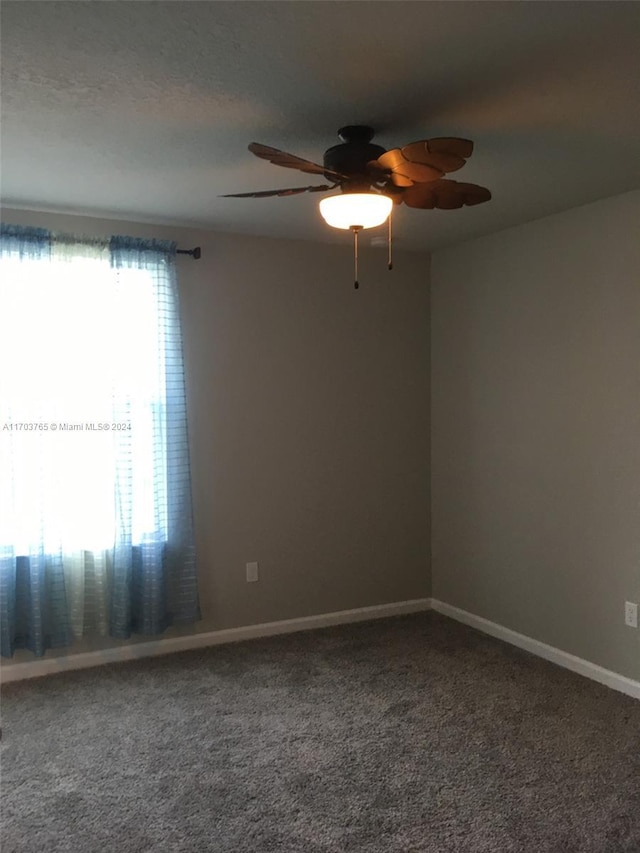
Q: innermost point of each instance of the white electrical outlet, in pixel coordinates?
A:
(631, 614)
(252, 572)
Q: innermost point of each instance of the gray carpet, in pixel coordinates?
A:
(396, 736)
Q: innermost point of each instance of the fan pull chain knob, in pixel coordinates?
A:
(390, 264)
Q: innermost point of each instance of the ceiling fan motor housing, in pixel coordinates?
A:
(351, 157)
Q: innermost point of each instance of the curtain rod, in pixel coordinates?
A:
(196, 253)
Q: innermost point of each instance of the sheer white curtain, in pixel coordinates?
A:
(95, 510)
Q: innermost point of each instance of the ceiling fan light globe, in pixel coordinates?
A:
(355, 210)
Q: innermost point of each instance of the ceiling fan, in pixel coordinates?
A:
(371, 180)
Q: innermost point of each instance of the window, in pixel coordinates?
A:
(93, 448)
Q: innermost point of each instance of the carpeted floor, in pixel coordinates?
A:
(396, 736)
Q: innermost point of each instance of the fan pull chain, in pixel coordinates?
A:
(355, 229)
(390, 264)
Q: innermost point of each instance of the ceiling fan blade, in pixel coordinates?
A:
(289, 191)
(423, 161)
(473, 193)
(451, 145)
(290, 161)
(436, 156)
(403, 172)
(444, 195)
(401, 180)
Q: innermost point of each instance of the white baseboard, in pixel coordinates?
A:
(48, 666)
(82, 660)
(550, 653)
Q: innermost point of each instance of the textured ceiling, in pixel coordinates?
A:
(143, 110)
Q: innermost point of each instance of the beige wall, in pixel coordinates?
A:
(536, 429)
(309, 421)
(309, 408)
